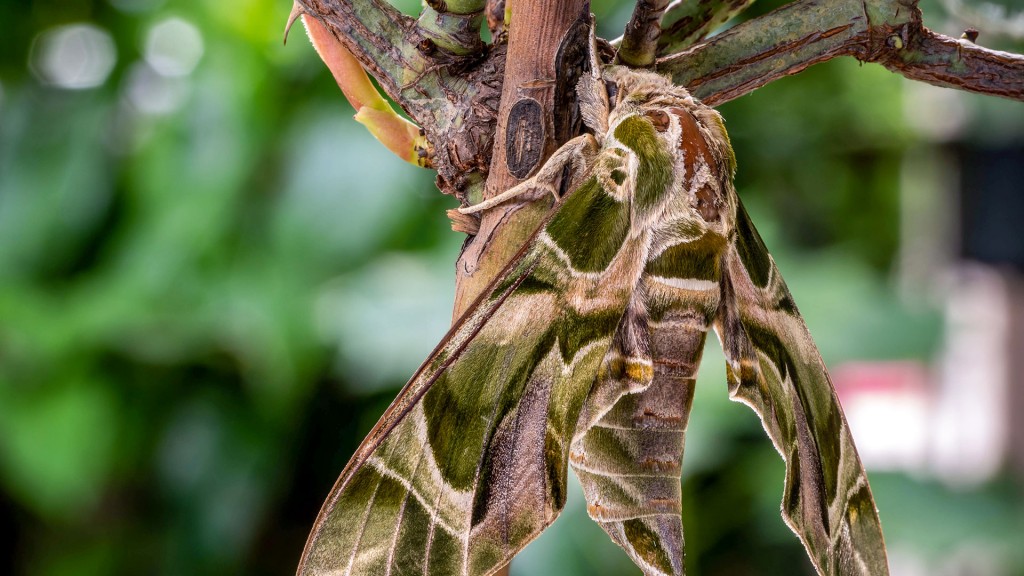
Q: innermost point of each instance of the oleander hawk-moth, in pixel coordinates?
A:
(583, 352)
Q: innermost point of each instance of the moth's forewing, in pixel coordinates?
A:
(775, 368)
(469, 463)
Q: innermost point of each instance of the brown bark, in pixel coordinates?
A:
(961, 64)
(539, 92)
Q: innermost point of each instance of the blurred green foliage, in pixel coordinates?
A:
(212, 282)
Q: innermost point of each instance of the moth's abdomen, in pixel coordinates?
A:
(629, 444)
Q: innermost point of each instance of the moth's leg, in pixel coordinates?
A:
(593, 92)
(575, 152)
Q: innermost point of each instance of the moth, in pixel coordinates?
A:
(584, 352)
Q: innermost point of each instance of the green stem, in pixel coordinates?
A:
(453, 26)
(781, 43)
(640, 39)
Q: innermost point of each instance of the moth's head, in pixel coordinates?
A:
(671, 110)
(637, 92)
(618, 92)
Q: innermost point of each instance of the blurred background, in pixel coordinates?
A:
(212, 282)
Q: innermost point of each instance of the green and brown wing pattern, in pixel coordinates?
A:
(584, 350)
(469, 463)
(711, 268)
(775, 368)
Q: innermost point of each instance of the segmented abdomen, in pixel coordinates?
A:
(628, 447)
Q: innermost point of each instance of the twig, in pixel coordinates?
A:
(686, 22)
(453, 25)
(778, 44)
(945, 61)
(640, 39)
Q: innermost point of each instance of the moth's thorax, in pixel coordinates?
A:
(673, 139)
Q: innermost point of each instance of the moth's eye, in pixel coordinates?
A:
(659, 118)
(612, 89)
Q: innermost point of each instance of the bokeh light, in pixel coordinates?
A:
(75, 56)
(173, 47)
(153, 93)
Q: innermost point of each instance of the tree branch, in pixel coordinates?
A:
(780, 43)
(547, 47)
(945, 61)
(640, 40)
(454, 97)
(689, 21)
(791, 38)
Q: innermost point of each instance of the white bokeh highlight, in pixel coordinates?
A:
(152, 93)
(73, 57)
(173, 47)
